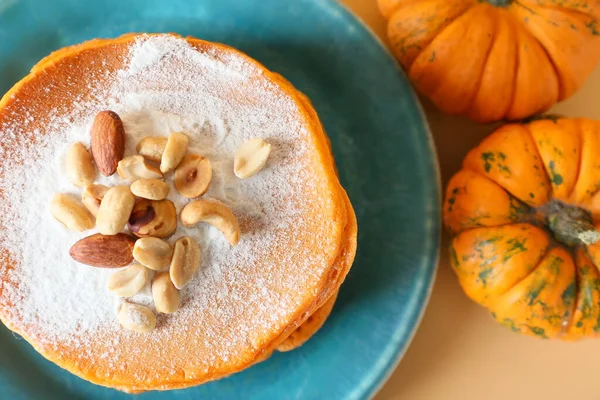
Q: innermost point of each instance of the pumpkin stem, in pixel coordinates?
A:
(571, 225)
(499, 3)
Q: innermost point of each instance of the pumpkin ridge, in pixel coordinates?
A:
(584, 295)
(522, 135)
(539, 324)
(550, 247)
(527, 128)
(480, 110)
(569, 318)
(577, 197)
(564, 8)
(494, 31)
(456, 92)
(516, 67)
(508, 209)
(479, 272)
(399, 48)
(564, 79)
(445, 25)
(539, 156)
(561, 94)
(581, 15)
(577, 122)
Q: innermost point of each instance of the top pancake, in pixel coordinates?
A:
(298, 227)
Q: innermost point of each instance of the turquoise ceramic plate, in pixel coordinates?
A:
(382, 147)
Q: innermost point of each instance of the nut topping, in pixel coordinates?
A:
(185, 263)
(215, 213)
(133, 168)
(151, 189)
(251, 157)
(137, 318)
(108, 141)
(193, 176)
(129, 281)
(165, 294)
(92, 196)
(102, 251)
(115, 210)
(71, 213)
(152, 252)
(80, 166)
(152, 148)
(156, 218)
(174, 151)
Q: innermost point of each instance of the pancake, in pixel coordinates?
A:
(311, 326)
(298, 227)
(305, 331)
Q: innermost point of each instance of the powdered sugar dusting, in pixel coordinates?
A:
(220, 100)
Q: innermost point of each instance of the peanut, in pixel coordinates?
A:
(193, 176)
(157, 218)
(151, 189)
(251, 157)
(133, 168)
(185, 262)
(152, 148)
(71, 213)
(152, 252)
(80, 166)
(137, 318)
(129, 281)
(115, 210)
(92, 196)
(174, 151)
(165, 294)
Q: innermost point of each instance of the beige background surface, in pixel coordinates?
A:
(459, 352)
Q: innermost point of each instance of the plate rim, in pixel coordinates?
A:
(397, 352)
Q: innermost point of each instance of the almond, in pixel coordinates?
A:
(108, 141)
(104, 251)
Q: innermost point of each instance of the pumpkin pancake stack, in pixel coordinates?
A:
(270, 290)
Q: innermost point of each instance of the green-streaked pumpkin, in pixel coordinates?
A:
(523, 213)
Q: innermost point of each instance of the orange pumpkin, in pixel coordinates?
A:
(524, 214)
(495, 59)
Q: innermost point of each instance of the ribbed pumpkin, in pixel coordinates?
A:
(495, 59)
(524, 214)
